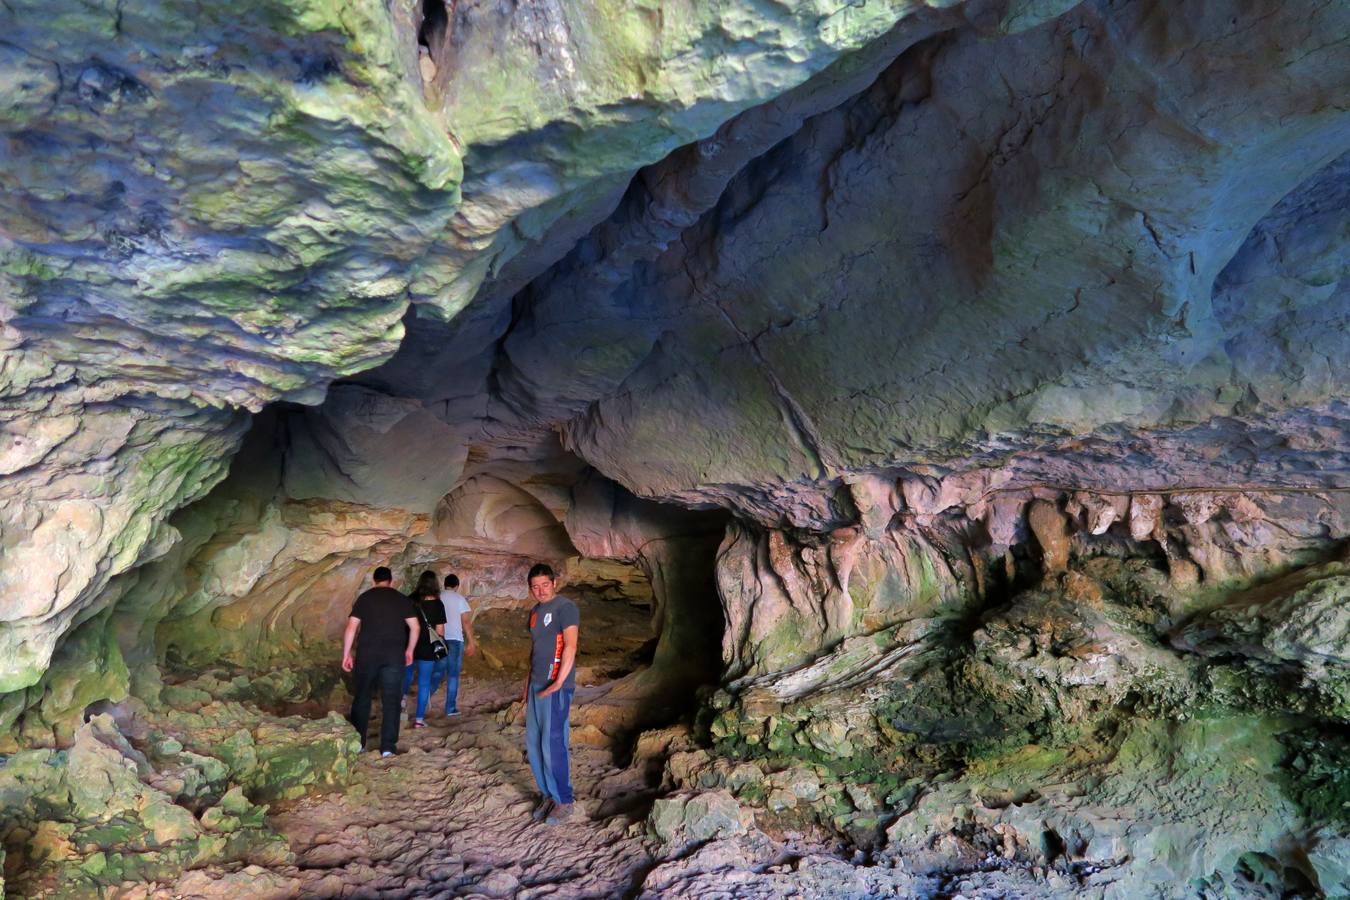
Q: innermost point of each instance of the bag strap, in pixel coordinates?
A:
(432, 636)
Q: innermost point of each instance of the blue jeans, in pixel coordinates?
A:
(429, 675)
(453, 662)
(546, 739)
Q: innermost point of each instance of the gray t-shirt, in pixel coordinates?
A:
(546, 624)
(455, 606)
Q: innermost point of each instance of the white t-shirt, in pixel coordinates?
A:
(455, 606)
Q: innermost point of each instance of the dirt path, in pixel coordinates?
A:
(450, 817)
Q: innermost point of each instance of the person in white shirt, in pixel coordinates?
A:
(459, 637)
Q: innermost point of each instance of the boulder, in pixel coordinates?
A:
(696, 817)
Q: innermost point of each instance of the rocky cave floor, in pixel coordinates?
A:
(1101, 764)
(230, 787)
(449, 817)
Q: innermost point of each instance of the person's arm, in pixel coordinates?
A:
(525, 692)
(349, 641)
(414, 629)
(569, 656)
(466, 622)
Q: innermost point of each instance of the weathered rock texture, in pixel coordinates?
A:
(962, 387)
(190, 791)
(222, 206)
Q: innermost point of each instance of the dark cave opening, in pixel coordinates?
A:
(433, 28)
(319, 496)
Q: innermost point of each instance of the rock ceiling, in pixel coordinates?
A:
(810, 263)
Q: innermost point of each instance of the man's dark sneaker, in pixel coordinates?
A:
(561, 812)
(542, 809)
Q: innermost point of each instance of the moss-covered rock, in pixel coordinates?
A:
(104, 812)
(1062, 728)
(683, 820)
(92, 816)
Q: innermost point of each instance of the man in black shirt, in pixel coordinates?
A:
(383, 628)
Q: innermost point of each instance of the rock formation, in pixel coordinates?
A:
(958, 388)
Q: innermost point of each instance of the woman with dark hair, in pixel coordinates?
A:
(430, 668)
(428, 585)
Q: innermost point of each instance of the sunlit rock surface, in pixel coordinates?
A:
(242, 215)
(959, 388)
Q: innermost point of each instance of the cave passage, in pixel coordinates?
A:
(617, 628)
(938, 412)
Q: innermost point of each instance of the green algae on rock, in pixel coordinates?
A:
(1068, 727)
(104, 812)
(75, 820)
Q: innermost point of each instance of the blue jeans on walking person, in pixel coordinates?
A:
(429, 675)
(453, 662)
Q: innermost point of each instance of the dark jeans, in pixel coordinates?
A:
(390, 679)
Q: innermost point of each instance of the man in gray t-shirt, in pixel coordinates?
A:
(554, 626)
(458, 637)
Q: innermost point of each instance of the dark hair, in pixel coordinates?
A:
(383, 574)
(540, 569)
(428, 586)
(452, 581)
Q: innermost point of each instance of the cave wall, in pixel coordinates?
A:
(965, 381)
(858, 300)
(265, 567)
(210, 208)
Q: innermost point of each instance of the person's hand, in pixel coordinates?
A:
(407, 657)
(468, 649)
(551, 689)
(348, 663)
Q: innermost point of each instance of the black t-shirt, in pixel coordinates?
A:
(432, 614)
(546, 624)
(384, 635)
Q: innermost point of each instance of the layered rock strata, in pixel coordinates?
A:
(242, 216)
(964, 382)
